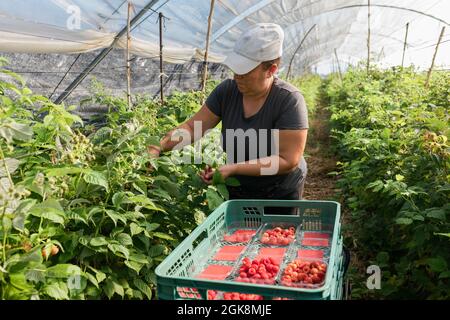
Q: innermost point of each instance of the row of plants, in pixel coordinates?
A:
(82, 216)
(309, 85)
(391, 135)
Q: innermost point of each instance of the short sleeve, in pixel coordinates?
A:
(293, 114)
(216, 99)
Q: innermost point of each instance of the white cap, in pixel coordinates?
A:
(264, 42)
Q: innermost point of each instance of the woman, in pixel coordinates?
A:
(264, 121)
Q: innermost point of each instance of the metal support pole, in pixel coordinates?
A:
(205, 60)
(128, 56)
(404, 45)
(161, 17)
(368, 36)
(295, 52)
(434, 57)
(65, 75)
(338, 64)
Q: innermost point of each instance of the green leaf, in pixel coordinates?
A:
(80, 201)
(100, 276)
(63, 271)
(117, 248)
(140, 187)
(92, 279)
(214, 200)
(136, 294)
(137, 257)
(151, 226)
(135, 229)
(437, 264)
(162, 236)
(232, 182)
(61, 172)
(436, 214)
(171, 187)
(376, 185)
(49, 209)
(134, 215)
(124, 239)
(10, 73)
(108, 288)
(161, 193)
(97, 178)
(101, 135)
(115, 217)
(118, 198)
(383, 257)
(444, 275)
(218, 178)
(26, 91)
(157, 250)
(223, 191)
(145, 202)
(443, 234)
(76, 216)
(112, 287)
(405, 221)
(93, 211)
(199, 216)
(136, 266)
(6, 224)
(143, 287)
(36, 273)
(12, 165)
(58, 291)
(150, 277)
(16, 131)
(34, 255)
(118, 289)
(19, 281)
(97, 242)
(114, 232)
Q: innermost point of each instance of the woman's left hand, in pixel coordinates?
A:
(225, 170)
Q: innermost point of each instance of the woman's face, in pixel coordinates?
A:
(253, 82)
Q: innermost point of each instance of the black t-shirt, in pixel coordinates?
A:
(244, 139)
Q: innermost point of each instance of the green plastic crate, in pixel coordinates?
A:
(175, 273)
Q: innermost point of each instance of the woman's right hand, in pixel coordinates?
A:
(207, 174)
(154, 152)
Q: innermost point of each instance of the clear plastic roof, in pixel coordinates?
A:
(336, 28)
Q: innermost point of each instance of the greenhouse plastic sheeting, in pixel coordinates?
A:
(341, 26)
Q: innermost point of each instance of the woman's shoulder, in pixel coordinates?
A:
(288, 94)
(285, 86)
(227, 84)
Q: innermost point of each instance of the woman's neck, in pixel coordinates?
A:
(263, 93)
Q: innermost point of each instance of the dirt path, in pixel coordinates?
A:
(322, 186)
(319, 185)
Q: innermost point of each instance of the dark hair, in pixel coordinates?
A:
(267, 64)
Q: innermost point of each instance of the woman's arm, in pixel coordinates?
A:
(292, 145)
(204, 118)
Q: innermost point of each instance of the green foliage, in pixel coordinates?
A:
(309, 86)
(391, 135)
(81, 215)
